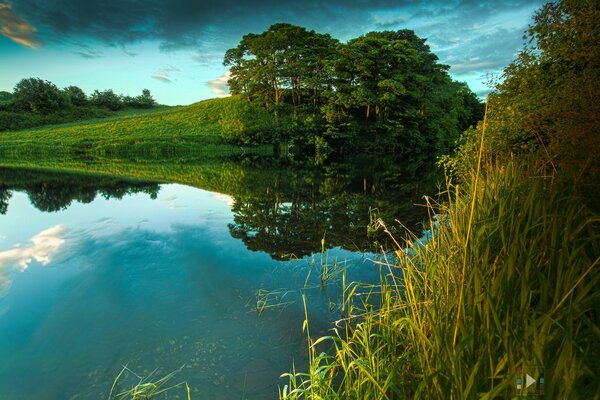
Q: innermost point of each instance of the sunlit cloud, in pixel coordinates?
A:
(219, 85)
(41, 248)
(17, 29)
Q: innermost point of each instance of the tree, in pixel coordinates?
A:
(286, 61)
(5, 96)
(382, 89)
(107, 99)
(547, 104)
(76, 95)
(38, 96)
(145, 100)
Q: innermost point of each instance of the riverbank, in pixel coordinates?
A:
(507, 282)
(502, 302)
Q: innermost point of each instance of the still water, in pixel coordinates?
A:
(98, 273)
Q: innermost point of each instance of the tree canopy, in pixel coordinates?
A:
(547, 103)
(383, 86)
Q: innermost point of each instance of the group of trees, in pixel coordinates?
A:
(386, 87)
(36, 101)
(546, 106)
(39, 96)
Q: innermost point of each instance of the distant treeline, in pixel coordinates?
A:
(383, 89)
(36, 102)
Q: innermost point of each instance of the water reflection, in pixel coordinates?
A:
(284, 209)
(42, 247)
(164, 277)
(53, 191)
(289, 213)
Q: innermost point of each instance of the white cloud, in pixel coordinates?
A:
(42, 247)
(219, 85)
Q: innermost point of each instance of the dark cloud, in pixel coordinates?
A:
(89, 54)
(189, 23)
(163, 74)
(161, 78)
(466, 34)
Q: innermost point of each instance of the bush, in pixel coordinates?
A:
(107, 99)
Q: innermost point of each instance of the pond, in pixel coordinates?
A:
(98, 272)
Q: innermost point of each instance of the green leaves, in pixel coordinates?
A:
(372, 91)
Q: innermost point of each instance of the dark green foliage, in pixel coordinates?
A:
(5, 97)
(547, 105)
(38, 96)
(76, 95)
(383, 89)
(107, 99)
(14, 121)
(36, 102)
(145, 100)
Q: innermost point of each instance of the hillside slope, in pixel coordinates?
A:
(207, 126)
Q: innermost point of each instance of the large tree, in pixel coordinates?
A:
(286, 61)
(384, 88)
(39, 96)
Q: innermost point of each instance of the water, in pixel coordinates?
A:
(99, 272)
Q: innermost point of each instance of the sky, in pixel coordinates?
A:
(175, 48)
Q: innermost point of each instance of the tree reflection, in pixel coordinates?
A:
(54, 191)
(5, 195)
(295, 209)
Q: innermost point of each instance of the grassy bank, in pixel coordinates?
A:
(207, 127)
(508, 281)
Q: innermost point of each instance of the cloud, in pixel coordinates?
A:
(161, 78)
(90, 54)
(458, 31)
(163, 74)
(17, 29)
(42, 246)
(219, 85)
(390, 22)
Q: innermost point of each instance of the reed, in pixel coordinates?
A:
(507, 280)
(146, 387)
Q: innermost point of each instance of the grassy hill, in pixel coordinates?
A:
(210, 127)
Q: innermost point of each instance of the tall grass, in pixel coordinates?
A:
(508, 279)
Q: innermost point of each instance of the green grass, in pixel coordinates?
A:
(509, 280)
(201, 127)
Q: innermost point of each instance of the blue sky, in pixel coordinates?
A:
(175, 48)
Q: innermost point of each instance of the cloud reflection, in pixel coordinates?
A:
(41, 247)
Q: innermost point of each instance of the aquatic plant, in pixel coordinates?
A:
(147, 387)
